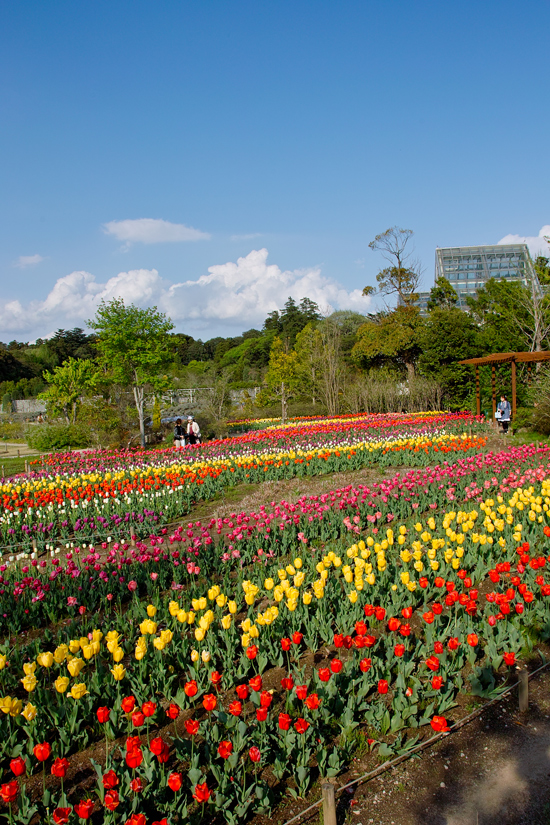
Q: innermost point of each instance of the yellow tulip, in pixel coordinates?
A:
(195, 655)
(78, 691)
(61, 684)
(29, 712)
(74, 645)
(87, 651)
(232, 607)
(159, 644)
(118, 654)
(74, 666)
(268, 584)
(181, 616)
(173, 608)
(199, 634)
(29, 683)
(151, 611)
(3, 661)
(29, 668)
(226, 622)
(119, 672)
(205, 656)
(353, 596)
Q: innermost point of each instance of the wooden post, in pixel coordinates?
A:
(478, 395)
(513, 389)
(329, 804)
(493, 389)
(523, 691)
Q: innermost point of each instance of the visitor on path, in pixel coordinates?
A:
(193, 434)
(179, 434)
(505, 411)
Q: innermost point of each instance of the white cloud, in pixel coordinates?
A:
(231, 296)
(150, 230)
(27, 260)
(243, 293)
(246, 237)
(537, 244)
(75, 297)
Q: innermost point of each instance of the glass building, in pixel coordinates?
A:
(468, 268)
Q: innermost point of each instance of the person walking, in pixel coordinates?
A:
(193, 433)
(505, 413)
(179, 434)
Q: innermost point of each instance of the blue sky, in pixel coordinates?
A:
(213, 158)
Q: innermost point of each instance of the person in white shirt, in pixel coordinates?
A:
(193, 433)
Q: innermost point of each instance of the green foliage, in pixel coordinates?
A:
(55, 437)
(67, 384)
(393, 336)
(282, 376)
(447, 336)
(442, 295)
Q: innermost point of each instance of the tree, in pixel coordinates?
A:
(67, 384)
(391, 336)
(282, 374)
(307, 349)
(133, 348)
(403, 274)
(442, 294)
(330, 364)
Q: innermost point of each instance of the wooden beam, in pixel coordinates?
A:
(493, 390)
(478, 394)
(513, 389)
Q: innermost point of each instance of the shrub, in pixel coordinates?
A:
(53, 437)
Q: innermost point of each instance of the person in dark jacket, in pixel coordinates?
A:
(179, 434)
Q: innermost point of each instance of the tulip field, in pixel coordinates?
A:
(196, 670)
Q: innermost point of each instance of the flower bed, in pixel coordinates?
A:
(412, 590)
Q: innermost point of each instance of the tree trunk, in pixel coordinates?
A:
(139, 394)
(410, 370)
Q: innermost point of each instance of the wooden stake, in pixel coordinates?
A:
(523, 691)
(329, 804)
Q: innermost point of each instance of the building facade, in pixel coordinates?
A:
(468, 268)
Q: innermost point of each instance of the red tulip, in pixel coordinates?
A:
(407, 612)
(423, 582)
(370, 641)
(138, 719)
(286, 644)
(509, 658)
(472, 639)
(399, 650)
(18, 766)
(136, 785)
(190, 688)
(148, 709)
(336, 665)
(365, 665)
(225, 749)
(128, 704)
(265, 699)
(338, 640)
(173, 711)
(209, 702)
(157, 745)
(134, 758)
(111, 800)
(297, 637)
(235, 708)
(215, 678)
(242, 691)
(103, 715)
(252, 652)
(313, 701)
(301, 725)
(453, 643)
(42, 751)
(439, 724)
(437, 682)
(301, 691)
(284, 721)
(437, 608)
(393, 624)
(261, 714)
(323, 674)
(202, 794)
(59, 767)
(9, 791)
(433, 663)
(255, 683)
(192, 727)
(360, 628)
(110, 780)
(61, 816)
(380, 613)
(438, 647)
(287, 683)
(174, 781)
(383, 686)
(405, 630)
(84, 809)
(254, 754)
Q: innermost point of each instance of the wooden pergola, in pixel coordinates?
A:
(512, 358)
